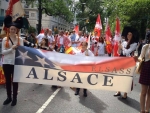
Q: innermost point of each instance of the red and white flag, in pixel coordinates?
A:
(117, 37)
(108, 39)
(76, 28)
(98, 25)
(15, 10)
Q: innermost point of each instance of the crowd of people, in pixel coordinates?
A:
(59, 42)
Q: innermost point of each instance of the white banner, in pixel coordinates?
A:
(105, 73)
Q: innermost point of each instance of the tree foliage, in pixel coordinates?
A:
(89, 9)
(133, 13)
(55, 8)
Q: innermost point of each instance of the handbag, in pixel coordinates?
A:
(140, 65)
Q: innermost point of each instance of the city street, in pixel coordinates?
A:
(31, 98)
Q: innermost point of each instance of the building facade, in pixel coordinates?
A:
(3, 8)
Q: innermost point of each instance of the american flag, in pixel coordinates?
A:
(32, 57)
(26, 56)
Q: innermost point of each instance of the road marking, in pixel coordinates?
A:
(48, 101)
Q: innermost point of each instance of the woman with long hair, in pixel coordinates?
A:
(44, 44)
(127, 50)
(145, 77)
(9, 44)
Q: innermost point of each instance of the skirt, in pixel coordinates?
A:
(145, 74)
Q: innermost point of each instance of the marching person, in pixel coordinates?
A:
(145, 78)
(94, 40)
(62, 40)
(9, 44)
(74, 39)
(30, 40)
(51, 40)
(101, 47)
(43, 35)
(80, 39)
(127, 50)
(44, 44)
(84, 52)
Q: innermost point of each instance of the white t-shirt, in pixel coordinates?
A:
(51, 38)
(61, 40)
(81, 39)
(40, 36)
(101, 48)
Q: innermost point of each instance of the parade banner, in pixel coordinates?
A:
(52, 68)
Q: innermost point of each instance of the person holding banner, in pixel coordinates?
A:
(9, 44)
(145, 77)
(127, 50)
(84, 52)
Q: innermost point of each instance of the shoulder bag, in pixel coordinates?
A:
(140, 65)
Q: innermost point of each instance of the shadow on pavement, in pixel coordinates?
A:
(2, 86)
(64, 95)
(92, 102)
(131, 103)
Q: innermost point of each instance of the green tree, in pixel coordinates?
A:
(53, 8)
(89, 9)
(134, 13)
(31, 30)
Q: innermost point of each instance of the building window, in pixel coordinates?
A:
(32, 14)
(2, 12)
(27, 14)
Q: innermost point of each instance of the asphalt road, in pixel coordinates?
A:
(31, 98)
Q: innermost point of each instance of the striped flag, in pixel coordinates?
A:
(15, 10)
(117, 37)
(98, 25)
(76, 28)
(108, 39)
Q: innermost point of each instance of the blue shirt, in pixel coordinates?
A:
(73, 38)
